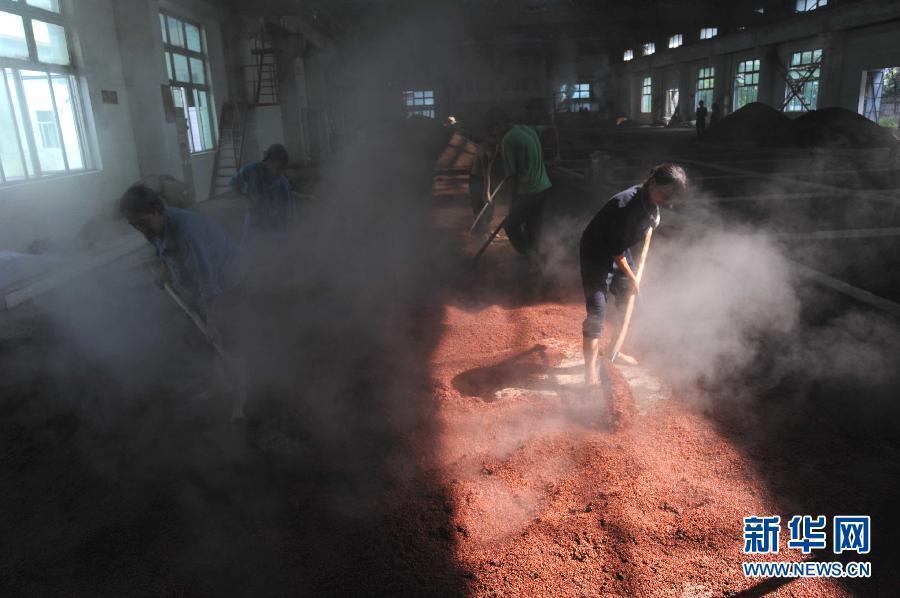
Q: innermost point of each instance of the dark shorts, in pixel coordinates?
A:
(599, 279)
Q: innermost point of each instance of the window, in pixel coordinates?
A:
(46, 121)
(881, 101)
(647, 95)
(746, 83)
(186, 63)
(672, 105)
(676, 40)
(628, 55)
(802, 90)
(581, 91)
(419, 102)
(808, 5)
(709, 32)
(581, 97)
(648, 49)
(41, 118)
(574, 98)
(706, 83)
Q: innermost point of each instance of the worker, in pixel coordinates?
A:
(701, 118)
(523, 163)
(605, 255)
(198, 261)
(270, 192)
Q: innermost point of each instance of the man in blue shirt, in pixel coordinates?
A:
(605, 255)
(199, 261)
(196, 255)
(271, 193)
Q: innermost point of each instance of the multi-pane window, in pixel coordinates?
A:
(648, 49)
(419, 102)
(802, 89)
(706, 83)
(808, 5)
(186, 64)
(647, 95)
(628, 55)
(581, 97)
(746, 83)
(46, 121)
(41, 117)
(881, 102)
(709, 32)
(676, 40)
(573, 97)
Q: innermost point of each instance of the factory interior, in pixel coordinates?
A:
(299, 297)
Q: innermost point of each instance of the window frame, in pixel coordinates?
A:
(190, 86)
(627, 55)
(708, 32)
(581, 91)
(754, 73)
(648, 48)
(702, 90)
(809, 5)
(800, 102)
(647, 95)
(426, 108)
(27, 130)
(32, 13)
(676, 40)
(581, 96)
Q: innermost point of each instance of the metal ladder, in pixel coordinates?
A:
(266, 77)
(232, 122)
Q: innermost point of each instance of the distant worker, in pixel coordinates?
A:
(270, 192)
(605, 254)
(198, 264)
(523, 163)
(701, 118)
(716, 114)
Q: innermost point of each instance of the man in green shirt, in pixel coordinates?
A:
(523, 163)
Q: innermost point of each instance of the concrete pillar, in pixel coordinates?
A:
(771, 83)
(833, 48)
(724, 77)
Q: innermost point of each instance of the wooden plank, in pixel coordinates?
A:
(71, 270)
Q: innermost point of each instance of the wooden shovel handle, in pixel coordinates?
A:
(629, 307)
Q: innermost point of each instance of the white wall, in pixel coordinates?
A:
(117, 46)
(56, 209)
